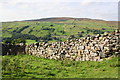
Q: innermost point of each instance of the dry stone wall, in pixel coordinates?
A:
(90, 48)
(12, 49)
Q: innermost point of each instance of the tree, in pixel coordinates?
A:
(8, 41)
(82, 32)
(80, 35)
(62, 31)
(51, 25)
(47, 37)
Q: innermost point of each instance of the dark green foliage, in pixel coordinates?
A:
(103, 29)
(20, 30)
(97, 32)
(20, 40)
(50, 29)
(24, 36)
(8, 41)
(14, 41)
(94, 31)
(46, 37)
(80, 34)
(62, 31)
(51, 25)
(30, 31)
(55, 38)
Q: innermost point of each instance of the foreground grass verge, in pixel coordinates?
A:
(27, 66)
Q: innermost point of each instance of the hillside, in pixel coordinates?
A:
(55, 29)
(94, 56)
(63, 19)
(58, 19)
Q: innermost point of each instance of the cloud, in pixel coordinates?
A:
(31, 9)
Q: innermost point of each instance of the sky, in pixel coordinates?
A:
(17, 10)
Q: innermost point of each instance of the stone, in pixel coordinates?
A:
(98, 35)
(100, 38)
(105, 33)
(90, 48)
(82, 47)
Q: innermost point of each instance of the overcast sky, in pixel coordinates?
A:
(12, 10)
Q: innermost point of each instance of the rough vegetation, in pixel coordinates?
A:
(27, 66)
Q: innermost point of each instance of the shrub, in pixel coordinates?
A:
(20, 40)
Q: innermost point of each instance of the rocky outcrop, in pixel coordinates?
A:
(90, 48)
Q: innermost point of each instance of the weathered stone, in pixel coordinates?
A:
(106, 33)
(87, 48)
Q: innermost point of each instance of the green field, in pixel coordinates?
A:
(53, 31)
(27, 66)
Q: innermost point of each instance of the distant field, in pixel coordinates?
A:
(52, 31)
(27, 66)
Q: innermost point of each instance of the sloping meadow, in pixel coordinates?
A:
(28, 66)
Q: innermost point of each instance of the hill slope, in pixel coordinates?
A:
(55, 29)
(57, 19)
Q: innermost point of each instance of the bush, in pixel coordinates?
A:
(15, 41)
(10, 66)
(8, 41)
(14, 66)
(20, 40)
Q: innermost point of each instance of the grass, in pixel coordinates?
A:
(28, 66)
(37, 28)
(30, 42)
